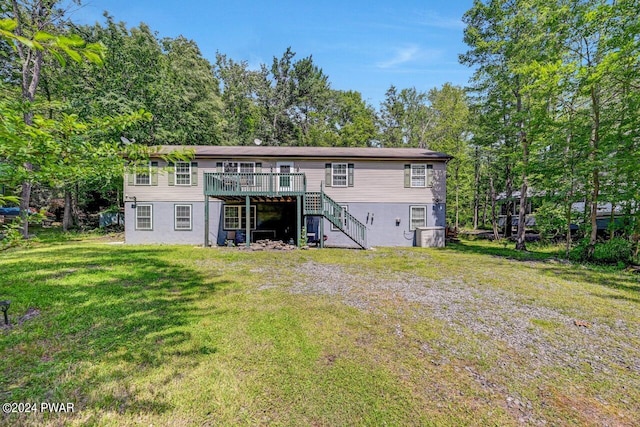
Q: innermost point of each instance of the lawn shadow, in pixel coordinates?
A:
(107, 315)
(550, 264)
(472, 247)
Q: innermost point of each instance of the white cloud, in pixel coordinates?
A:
(409, 54)
(434, 19)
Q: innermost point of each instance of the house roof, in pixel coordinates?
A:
(216, 151)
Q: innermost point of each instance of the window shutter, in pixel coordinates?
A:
(258, 167)
(327, 175)
(130, 178)
(429, 175)
(350, 167)
(172, 173)
(219, 167)
(194, 173)
(154, 173)
(407, 176)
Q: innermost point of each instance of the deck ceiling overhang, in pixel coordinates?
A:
(256, 199)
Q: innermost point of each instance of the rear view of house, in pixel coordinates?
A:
(346, 197)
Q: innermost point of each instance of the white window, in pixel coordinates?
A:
(235, 217)
(418, 217)
(242, 167)
(343, 219)
(247, 169)
(143, 177)
(421, 175)
(230, 167)
(338, 174)
(144, 217)
(183, 217)
(183, 173)
(418, 175)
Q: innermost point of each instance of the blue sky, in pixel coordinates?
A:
(360, 45)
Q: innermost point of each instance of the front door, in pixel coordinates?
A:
(285, 181)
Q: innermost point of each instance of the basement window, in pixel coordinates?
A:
(418, 217)
(144, 217)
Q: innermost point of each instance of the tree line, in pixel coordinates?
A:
(555, 97)
(154, 90)
(550, 113)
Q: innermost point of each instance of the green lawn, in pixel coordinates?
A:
(473, 334)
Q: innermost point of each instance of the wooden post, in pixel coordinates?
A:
(206, 221)
(298, 220)
(247, 237)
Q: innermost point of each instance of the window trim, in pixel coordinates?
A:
(344, 219)
(139, 205)
(411, 217)
(238, 166)
(411, 176)
(175, 217)
(148, 174)
(250, 179)
(177, 174)
(239, 208)
(333, 175)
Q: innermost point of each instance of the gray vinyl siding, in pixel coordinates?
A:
(164, 224)
(379, 218)
(384, 231)
(374, 181)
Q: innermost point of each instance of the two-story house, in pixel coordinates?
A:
(354, 197)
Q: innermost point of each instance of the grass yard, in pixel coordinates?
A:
(473, 334)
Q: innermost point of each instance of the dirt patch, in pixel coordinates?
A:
(30, 314)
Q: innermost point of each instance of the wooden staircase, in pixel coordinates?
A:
(318, 203)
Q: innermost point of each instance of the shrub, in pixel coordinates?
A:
(550, 220)
(612, 251)
(11, 235)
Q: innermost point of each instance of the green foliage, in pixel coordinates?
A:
(11, 235)
(613, 251)
(8, 199)
(303, 237)
(557, 115)
(550, 220)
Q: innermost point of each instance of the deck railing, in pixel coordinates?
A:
(321, 204)
(254, 184)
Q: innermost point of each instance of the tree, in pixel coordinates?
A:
(240, 89)
(504, 38)
(30, 23)
(450, 133)
(391, 119)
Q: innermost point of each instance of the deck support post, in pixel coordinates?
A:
(298, 220)
(206, 221)
(247, 236)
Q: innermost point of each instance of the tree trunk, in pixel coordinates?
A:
(612, 219)
(67, 217)
(594, 142)
(521, 243)
(508, 223)
(484, 210)
(25, 197)
(476, 190)
(31, 65)
(494, 217)
(568, 238)
(568, 196)
(457, 190)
